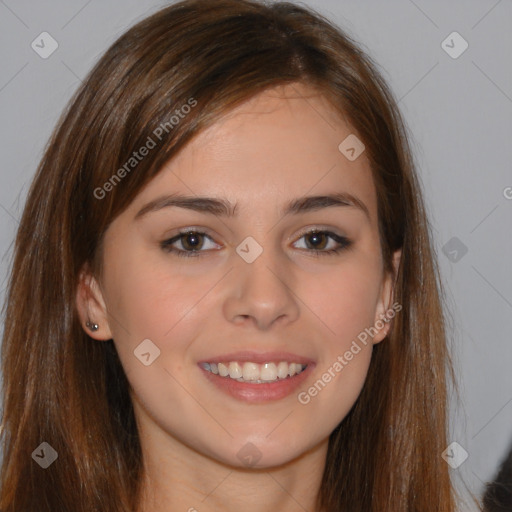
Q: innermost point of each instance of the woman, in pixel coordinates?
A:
(223, 292)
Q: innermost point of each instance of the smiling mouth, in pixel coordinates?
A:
(255, 373)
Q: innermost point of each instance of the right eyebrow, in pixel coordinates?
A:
(223, 207)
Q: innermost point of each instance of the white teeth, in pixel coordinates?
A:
(282, 370)
(268, 371)
(253, 372)
(235, 370)
(223, 370)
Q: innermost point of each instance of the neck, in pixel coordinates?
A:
(179, 478)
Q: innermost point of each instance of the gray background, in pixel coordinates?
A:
(459, 111)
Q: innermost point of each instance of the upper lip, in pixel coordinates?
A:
(259, 357)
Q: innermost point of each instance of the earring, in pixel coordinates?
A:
(92, 327)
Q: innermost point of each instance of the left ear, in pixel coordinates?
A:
(382, 321)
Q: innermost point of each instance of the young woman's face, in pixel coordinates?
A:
(248, 287)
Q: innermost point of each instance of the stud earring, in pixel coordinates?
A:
(92, 327)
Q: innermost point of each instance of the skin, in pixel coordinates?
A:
(280, 145)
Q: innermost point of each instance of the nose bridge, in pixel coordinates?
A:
(260, 264)
(262, 287)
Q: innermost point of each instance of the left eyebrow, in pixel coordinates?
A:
(224, 208)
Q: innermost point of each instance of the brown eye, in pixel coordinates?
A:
(317, 241)
(192, 240)
(192, 243)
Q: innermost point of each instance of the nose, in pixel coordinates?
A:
(261, 292)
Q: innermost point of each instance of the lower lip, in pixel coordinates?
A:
(250, 392)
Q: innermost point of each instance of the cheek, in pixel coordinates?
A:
(149, 302)
(345, 307)
(149, 297)
(344, 301)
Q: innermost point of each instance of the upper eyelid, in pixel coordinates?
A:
(205, 232)
(302, 231)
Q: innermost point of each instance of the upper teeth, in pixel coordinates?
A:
(265, 372)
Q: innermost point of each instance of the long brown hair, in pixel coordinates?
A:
(63, 388)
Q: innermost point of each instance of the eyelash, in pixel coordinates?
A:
(344, 242)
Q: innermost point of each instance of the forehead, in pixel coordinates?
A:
(278, 146)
